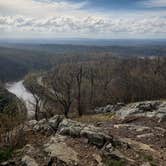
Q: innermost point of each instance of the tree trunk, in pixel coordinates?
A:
(79, 100)
(66, 110)
(79, 83)
(36, 112)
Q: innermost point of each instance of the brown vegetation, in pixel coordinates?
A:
(84, 86)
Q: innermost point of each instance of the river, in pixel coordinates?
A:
(18, 89)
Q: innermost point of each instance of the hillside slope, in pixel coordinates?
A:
(133, 141)
(16, 60)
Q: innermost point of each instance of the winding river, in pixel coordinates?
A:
(18, 89)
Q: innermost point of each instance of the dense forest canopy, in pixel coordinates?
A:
(16, 60)
(105, 79)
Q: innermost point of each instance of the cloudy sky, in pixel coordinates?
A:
(83, 19)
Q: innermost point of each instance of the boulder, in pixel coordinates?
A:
(161, 114)
(50, 126)
(147, 135)
(99, 159)
(146, 164)
(32, 123)
(70, 127)
(56, 147)
(136, 145)
(109, 108)
(150, 109)
(29, 150)
(147, 106)
(137, 128)
(75, 129)
(59, 124)
(28, 161)
(107, 148)
(95, 135)
(43, 127)
(54, 121)
(113, 153)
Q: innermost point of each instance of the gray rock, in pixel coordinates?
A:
(137, 128)
(108, 148)
(75, 129)
(56, 147)
(28, 161)
(70, 127)
(95, 135)
(150, 109)
(147, 106)
(54, 121)
(136, 145)
(109, 108)
(117, 155)
(63, 126)
(148, 135)
(43, 126)
(32, 123)
(146, 164)
(29, 149)
(99, 159)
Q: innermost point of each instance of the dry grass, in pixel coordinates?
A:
(95, 118)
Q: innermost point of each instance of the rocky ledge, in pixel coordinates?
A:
(62, 126)
(136, 136)
(151, 109)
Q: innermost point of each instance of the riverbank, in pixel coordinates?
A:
(18, 89)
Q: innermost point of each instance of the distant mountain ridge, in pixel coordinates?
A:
(16, 60)
(87, 42)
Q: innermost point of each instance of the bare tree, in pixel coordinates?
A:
(37, 106)
(92, 76)
(62, 85)
(79, 77)
(37, 102)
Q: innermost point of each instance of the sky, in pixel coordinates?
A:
(96, 19)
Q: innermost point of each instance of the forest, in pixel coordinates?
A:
(16, 60)
(93, 85)
(82, 86)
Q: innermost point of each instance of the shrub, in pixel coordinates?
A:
(111, 162)
(6, 154)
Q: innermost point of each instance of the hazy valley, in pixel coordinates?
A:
(82, 82)
(116, 92)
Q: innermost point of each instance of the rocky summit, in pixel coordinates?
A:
(136, 135)
(151, 109)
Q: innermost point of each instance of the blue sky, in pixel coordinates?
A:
(83, 19)
(130, 4)
(125, 5)
(113, 4)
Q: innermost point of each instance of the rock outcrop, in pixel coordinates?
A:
(109, 108)
(59, 124)
(151, 109)
(65, 142)
(56, 147)
(28, 161)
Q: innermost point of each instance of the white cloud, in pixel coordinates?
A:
(92, 26)
(38, 8)
(63, 18)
